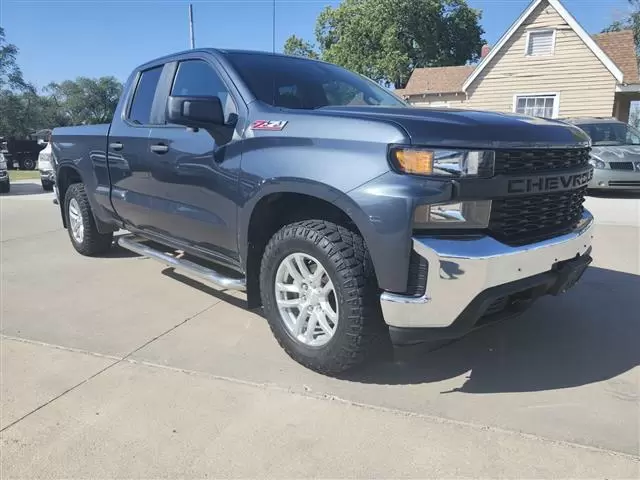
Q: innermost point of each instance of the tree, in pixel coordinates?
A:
(631, 22)
(10, 73)
(85, 100)
(386, 39)
(299, 47)
(19, 104)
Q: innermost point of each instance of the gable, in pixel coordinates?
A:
(543, 14)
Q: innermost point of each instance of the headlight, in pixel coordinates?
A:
(443, 162)
(473, 214)
(44, 161)
(596, 162)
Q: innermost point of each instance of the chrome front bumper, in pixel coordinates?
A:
(459, 270)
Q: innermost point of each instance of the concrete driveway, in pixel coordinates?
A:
(119, 367)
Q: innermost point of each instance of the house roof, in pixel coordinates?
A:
(436, 80)
(567, 17)
(621, 48)
(616, 50)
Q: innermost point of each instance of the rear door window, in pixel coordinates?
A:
(140, 111)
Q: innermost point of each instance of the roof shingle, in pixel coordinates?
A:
(436, 80)
(620, 47)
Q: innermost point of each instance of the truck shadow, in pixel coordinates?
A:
(590, 334)
(116, 251)
(223, 295)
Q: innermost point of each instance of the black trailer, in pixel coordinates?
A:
(22, 154)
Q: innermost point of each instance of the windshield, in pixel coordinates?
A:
(611, 133)
(291, 82)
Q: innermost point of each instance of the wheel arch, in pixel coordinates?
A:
(66, 176)
(277, 207)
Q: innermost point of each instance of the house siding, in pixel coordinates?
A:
(451, 100)
(584, 85)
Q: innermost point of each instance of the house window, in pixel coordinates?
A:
(537, 105)
(540, 42)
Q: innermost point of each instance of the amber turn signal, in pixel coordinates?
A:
(417, 162)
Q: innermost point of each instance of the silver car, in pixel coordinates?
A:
(615, 155)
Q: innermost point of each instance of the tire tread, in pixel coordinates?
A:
(348, 252)
(94, 242)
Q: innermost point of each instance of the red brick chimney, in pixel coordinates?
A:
(485, 50)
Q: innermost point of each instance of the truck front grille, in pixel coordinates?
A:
(510, 162)
(531, 218)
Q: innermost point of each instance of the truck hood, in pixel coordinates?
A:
(469, 128)
(614, 153)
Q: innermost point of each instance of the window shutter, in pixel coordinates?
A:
(540, 43)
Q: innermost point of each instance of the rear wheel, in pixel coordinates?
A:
(5, 187)
(320, 296)
(81, 226)
(47, 186)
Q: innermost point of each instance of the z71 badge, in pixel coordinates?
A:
(268, 124)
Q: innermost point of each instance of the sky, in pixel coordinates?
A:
(64, 39)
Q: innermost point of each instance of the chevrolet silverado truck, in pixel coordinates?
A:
(347, 215)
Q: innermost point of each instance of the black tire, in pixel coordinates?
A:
(344, 256)
(5, 187)
(93, 242)
(47, 186)
(27, 164)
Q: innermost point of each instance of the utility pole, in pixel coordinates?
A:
(274, 28)
(191, 32)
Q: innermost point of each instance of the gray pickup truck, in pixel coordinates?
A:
(347, 215)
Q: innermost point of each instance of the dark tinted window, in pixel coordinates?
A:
(196, 78)
(140, 111)
(299, 83)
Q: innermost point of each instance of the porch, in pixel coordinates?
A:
(625, 94)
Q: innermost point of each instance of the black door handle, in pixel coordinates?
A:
(159, 148)
(116, 146)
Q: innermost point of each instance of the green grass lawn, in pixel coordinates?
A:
(24, 175)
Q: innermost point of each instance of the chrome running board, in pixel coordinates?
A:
(134, 243)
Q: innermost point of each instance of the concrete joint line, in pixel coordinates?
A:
(116, 361)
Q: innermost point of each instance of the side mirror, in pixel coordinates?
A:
(195, 112)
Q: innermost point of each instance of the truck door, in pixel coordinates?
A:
(195, 180)
(129, 158)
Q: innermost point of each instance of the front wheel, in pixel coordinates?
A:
(320, 296)
(81, 226)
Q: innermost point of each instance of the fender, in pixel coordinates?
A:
(103, 218)
(268, 187)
